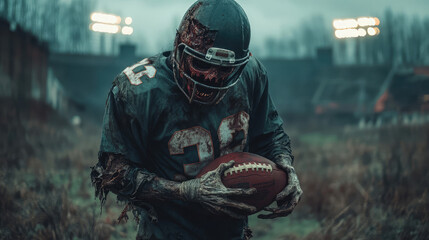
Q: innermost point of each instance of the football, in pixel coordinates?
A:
(251, 170)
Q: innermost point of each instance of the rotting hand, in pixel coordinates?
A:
(290, 196)
(213, 195)
(114, 173)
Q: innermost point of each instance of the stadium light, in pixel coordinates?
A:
(362, 32)
(372, 31)
(345, 23)
(110, 23)
(368, 21)
(353, 28)
(104, 28)
(127, 30)
(105, 18)
(128, 20)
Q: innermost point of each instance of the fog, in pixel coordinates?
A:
(155, 21)
(356, 111)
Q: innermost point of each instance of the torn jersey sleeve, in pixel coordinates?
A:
(122, 150)
(266, 134)
(121, 131)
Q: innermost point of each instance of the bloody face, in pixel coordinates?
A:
(205, 73)
(200, 38)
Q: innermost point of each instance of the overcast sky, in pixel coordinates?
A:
(155, 21)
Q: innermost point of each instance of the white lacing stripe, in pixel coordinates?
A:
(249, 166)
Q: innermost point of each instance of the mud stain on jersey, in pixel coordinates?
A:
(237, 122)
(233, 133)
(199, 141)
(237, 102)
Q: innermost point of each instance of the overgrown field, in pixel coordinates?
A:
(358, 184)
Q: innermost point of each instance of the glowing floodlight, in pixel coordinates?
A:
(110, 23)
(105, 28)
(128, 20)
(377, 21)
(105, 18)
(350, 33)
(361, 32)
(345, 23)
(353, 28)
(127, 30)
(372, 31)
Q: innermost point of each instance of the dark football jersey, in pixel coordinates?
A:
(150, 121)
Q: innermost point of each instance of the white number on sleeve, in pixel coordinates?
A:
(134, 78)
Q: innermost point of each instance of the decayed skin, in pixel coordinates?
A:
(108, 175)
(290, 196)
(211, 193)
(212, 75)
(194, 34)
(201, 38)
(114, 173)
(281, 154)
(247, 233)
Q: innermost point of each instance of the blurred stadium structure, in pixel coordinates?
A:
(44, 69)
(48, 61)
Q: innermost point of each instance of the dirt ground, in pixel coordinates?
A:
(358, 184)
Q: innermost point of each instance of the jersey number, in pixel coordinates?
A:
(201, 138)
(134, 78)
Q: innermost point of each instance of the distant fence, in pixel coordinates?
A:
(24, 70)
(23, 63)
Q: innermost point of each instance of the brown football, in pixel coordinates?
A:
(251, 170)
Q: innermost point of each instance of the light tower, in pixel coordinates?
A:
(105, 23)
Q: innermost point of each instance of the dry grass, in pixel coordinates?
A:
(368, 184)
(44, 178)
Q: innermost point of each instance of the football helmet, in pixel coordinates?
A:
(210, 50)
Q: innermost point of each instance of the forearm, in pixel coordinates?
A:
(150, 187)
(113, 173)
(274, 146)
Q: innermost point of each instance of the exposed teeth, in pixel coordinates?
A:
(197, 74)
(203, 94)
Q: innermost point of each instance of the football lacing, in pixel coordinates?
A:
(249, 166)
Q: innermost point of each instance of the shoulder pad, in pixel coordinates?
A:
(136, 78)
(254, 72)
(138, 70)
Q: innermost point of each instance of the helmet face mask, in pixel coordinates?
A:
(206, 81)
(203, 69)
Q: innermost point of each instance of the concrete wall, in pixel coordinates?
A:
(23, 64)
(24, 69)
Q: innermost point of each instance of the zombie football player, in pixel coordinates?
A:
(168, 116)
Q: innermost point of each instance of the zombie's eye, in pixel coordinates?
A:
(200, 65)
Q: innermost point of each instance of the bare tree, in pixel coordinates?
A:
(63, 25)
(402, 41)
(78, 21)
(302, 41)
(5, 9)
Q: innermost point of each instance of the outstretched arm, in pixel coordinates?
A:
(114, 173)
